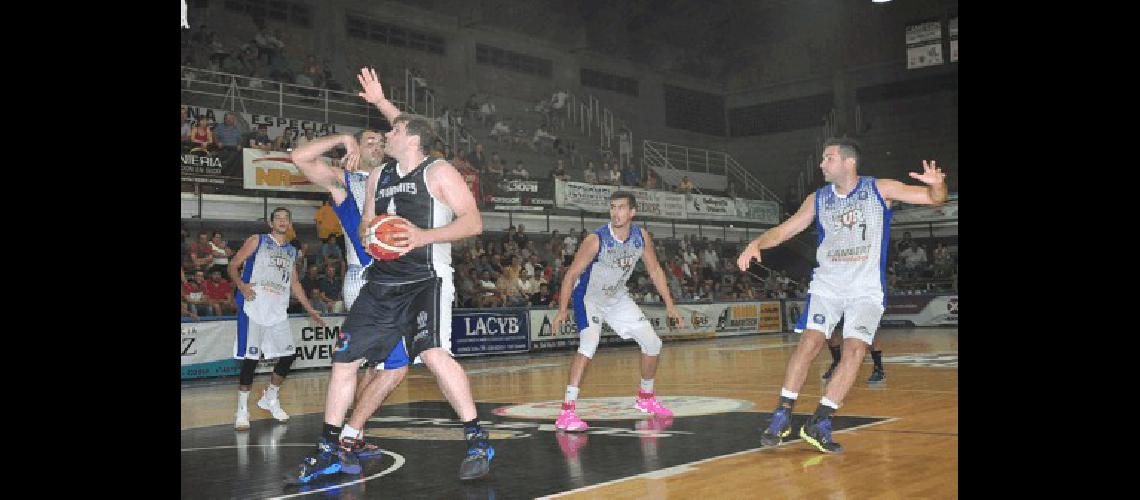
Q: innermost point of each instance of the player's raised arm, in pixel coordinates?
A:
(657, 276)
(779, 234)
(586, 253)
(236, 262)
(374, 93)
(308, 160)
(933, 193)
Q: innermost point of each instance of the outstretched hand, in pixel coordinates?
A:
(931, 173)
(745, 259)
(373, 92)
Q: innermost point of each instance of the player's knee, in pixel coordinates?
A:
(245, 376)
(283, 365)
(649, 341)
(588, 342)
(856, 348)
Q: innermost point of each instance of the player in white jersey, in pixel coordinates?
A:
(263, 324)
(605, 260)
(853, 217)
(348, 186)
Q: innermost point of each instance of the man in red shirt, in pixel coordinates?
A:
(220, 294)
(193, 292)
(200, 254)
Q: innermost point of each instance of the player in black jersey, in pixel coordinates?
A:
(406, 302)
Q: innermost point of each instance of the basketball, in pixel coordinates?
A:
(380, 244)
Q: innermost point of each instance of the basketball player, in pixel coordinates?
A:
(853, 216)
(263, 324)
(605, 260)
(406, 301)
(348, 188)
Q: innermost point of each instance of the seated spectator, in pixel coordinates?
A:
(569, 246)
(330, 254)
(471, 107)
(286, 141)
(559, 172)
(589, 175)
(200, 254)
(615, 176)
(309, 136)
(495, 170)
(194, 294)
(487, 112)
(268, 45)
(686, 186)
(489, 291)
(519, 137)
(532, 265)
(943, 264)
(331, 287)
(200, 136)
(540, 134)
(311, 284)
(220, 253)
(220, 294)
(558, 108)
(511, 288)
(478, 158)
(651, 179)
(501, 132)
(260, 139)
(629, 176)
(227, 134)
(218, 52)
(542, 296)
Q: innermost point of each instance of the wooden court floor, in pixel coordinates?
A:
(910, 452)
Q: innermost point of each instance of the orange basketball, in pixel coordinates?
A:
(380, 243)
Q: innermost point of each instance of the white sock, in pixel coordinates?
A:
(829, 403)
(788, 394)
(243, 400)
(571, 394)
(271, 391)
(646, 385)
(349, 432)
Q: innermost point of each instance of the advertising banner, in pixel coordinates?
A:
(489, 332)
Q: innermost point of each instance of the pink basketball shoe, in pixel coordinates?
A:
(648, 403)
(568, 421)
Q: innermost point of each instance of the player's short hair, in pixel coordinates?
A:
(627, 195)
(359, 134)
(418, 125)
(848, 147)
(280, 209)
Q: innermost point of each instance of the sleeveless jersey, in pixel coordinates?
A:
(853, 235)
(408, 197)
(270, 271)
(349, 214)
(605, 278)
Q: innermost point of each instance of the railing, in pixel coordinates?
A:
(672, 156)
(262, 96)
(590, 116)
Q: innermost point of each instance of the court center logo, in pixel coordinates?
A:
(621, 408)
